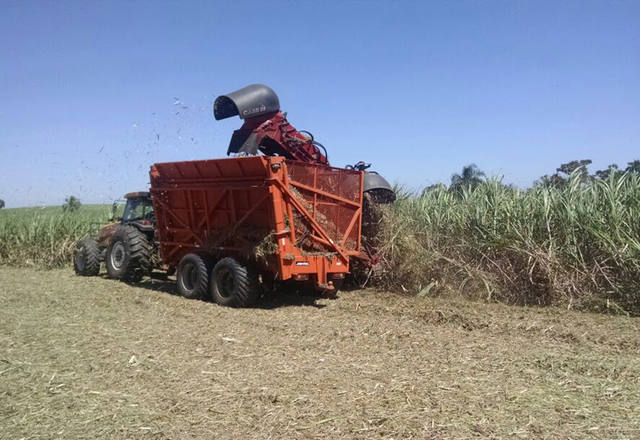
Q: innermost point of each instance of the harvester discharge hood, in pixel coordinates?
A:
(249, 102)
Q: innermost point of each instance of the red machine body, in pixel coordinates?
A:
(273, 135)
(265, 127)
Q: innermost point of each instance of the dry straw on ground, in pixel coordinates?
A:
(94, 358)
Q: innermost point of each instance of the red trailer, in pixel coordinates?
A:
(229, 225)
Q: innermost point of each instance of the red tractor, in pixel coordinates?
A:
(126, 245)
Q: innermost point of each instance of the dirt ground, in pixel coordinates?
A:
(95, 358)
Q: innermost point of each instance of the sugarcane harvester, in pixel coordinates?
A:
(266, 130)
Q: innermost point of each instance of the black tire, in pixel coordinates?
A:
(128, 257)
(233, 285)
(86, 258)
(193, 277)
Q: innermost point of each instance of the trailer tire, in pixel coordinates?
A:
(86, 258)
(193, 276)
(233, 285)
(128, 257)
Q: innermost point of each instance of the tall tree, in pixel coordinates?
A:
(611, 170)
(71, 204)
(560, 177)
(634, 167)
(580, 166)
(554, 180)
(470, 177)
(1, 203)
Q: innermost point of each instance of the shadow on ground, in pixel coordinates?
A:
(159, 282)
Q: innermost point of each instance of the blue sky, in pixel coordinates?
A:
(94, 92)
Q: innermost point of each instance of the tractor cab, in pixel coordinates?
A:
(125, 245)
(138, 210)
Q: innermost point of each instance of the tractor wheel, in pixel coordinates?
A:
(233, 285)
(86, 258)
(193, 277)
(128, 257)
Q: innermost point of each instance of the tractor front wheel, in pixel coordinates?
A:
(193, 276)
(86, 258)
(233, 285)
(128, 257)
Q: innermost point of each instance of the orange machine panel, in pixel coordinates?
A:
(298, 219)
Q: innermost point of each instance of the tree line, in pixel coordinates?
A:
(471, 176)
(71, 204)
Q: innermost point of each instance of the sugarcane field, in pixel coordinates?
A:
(300, 220)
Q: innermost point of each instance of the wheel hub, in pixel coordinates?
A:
(117, 255)
(226, 282)
(190, 278)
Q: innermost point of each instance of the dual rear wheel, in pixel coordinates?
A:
(128, 258)
(228, 282)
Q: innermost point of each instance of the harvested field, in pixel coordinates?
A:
(95, 358)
